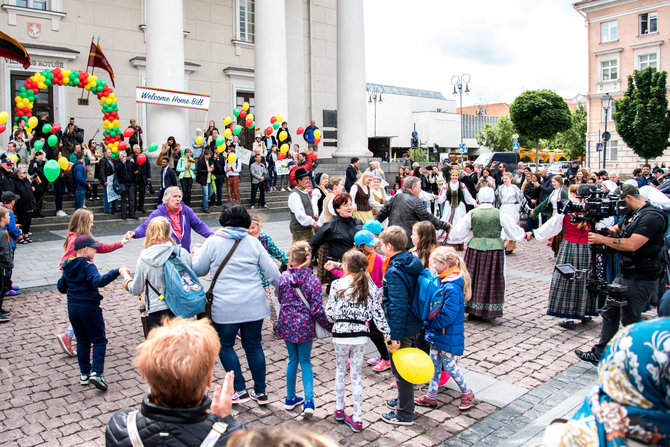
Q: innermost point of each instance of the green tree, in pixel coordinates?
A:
(641, 117)
(540, 114)
(499, 138)
(572, 141)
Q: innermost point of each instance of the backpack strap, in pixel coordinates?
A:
(210, 293)
(218, 429)
(133, 433)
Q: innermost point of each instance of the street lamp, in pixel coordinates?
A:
(457, 82)
(375, 95)
(606, 102)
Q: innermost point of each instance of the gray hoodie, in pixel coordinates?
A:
(150, 267)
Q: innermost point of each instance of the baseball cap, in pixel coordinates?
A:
(84, 241)
(373, 226)
(364, 237)
(627, 190)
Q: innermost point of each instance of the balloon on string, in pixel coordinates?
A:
(51, 170)
(152, 147)
(38, 145)
(243, 113)
(221, 140)
(227, 120)
(299, 130)
(281, 156)
(227, 134)
(32, 122)
(280, 117)
(4, 116)
(198, 140)
(128, 132)
(236, 112)
(268, 131)
(284, 148)
(249, 123)
(221, 148)
(3, 126)
(46, 128)
(237, 129)
(275, 125)
(273, 120)
(141, 159)
(63, 163)
(317, 141)
(283, 135)
(52, 140)
(123, 145)
(13, 158)
(413, 365)
(245, 106)
(55, 128)
(231, 158)
(317, 134)
(250, 116)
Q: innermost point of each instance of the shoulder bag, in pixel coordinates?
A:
(318, 329)
(209, 296)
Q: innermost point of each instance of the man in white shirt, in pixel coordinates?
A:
(303, 216)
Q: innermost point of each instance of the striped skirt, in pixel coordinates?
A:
(568, 298)
(487, 270)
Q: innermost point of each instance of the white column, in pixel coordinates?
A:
(352, 133)
(270, 72)
(295, 48)
(165, 69)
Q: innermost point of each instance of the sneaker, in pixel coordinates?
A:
(290, 404)
(265, 207)
(61, 213)
(241, 397)
(586, 320)
(99, 381)
(83, 379)
(339, 415)
(261, 398)
(589, 356)
(444, 378)
(392, 404)
(374, 360)
(66, 344)
(308, 409)
(425, 401)
(394, 384)
(5, 311)
(356, 427)
(383, 365)
(4, 318)
(392, 418)
(253, 207)
(12, 293)
(467, 401)
(15, 287)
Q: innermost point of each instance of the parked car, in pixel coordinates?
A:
(558, 168)
(511, 159)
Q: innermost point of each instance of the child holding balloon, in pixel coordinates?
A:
(445, 332)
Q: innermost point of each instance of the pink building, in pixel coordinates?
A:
(623, 35)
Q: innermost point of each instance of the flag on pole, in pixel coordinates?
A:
(96, 58)
(13, 50)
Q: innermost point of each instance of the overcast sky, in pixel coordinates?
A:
(506, 46)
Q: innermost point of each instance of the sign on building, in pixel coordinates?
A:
(171, 98)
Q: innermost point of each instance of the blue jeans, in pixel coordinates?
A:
(89, 328)
(299, 353)
(664, 305)
(207, 192)
(250, 333)
(107, 206)
(79, 198)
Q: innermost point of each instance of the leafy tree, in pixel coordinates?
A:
(499, 138)
(540, 114)
(572, 141)
(641, 117)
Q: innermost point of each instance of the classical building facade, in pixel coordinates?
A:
(623, 35)
(280, 56)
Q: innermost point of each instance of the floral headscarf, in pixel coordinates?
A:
(632, 400)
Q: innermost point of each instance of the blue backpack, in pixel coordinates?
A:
(428, 296)
(184, 294)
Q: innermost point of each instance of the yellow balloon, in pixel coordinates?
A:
(221, 148)
(283, 135)
(284, 148)
(227, 120)
(317, 134)
(4, 116)
(63, 163)
(250, 116)
(245, 106)
(32, 122)
(198, 140)
(232, 158)
(413, 365)
(227, 133)
(115, 149)
(13, 157)
(280, 118)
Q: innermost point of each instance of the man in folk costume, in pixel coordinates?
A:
(485, 255)
(303, 216)
(454, 195)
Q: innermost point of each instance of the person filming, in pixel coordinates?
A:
(639, 240)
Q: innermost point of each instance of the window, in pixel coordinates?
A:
(648, 23)
(246, 21)
(612, 150)
(647, 60)
(608, 32)
(610, 113)
(35, 4)
(609, 70)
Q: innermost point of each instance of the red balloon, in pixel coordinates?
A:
(268, 131)
(128, 132)
(55, 128)
(314, 155)
(243, 113)
(317, 141)
(249, 122)
(299, 130)
(123, 145)
(273, 120)
(281, 156)
(2, 128)
(140, 158)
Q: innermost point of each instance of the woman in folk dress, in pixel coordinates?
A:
(454, 196)
(508, 199)
(378, 194)
(360, 196)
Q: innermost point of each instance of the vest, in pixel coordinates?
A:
(363, 199)
(307, 206)
(455, 196)
(319, 203)
(486, 230)
(381, 200)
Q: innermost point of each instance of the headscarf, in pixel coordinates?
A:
(632, 399)
(486, 195)
(234, 233)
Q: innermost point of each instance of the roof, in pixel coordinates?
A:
(390, 89)
(496, 110)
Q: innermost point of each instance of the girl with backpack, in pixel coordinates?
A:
(301, 306)
(354, 300)
(445, 332)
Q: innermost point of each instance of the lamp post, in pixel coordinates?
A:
(606, 102)
(458, 81)
(375, 95)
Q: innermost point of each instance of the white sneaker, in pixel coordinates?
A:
(61, 213)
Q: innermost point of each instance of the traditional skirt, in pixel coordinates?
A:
(556, 243)
(568, 298)
(363, 215)
(487, 270)
(321, 259)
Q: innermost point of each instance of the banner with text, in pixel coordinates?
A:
(171, 98)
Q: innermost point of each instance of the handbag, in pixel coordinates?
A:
(119, 188)
(318, 329)
(209, 296)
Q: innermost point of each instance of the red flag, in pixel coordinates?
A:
(96, 58)
(11, 49)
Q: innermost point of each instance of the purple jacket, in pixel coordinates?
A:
(188, 221)
(296, 323)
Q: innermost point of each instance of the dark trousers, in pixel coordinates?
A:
(39, 199)
(5, 284)
(255, 188)
(155, 319)
(378, 339)
(272, 178)
(89, 328)
(638, 295)
(251, 343)
(128, 201)
(186, 184)
(24, 218)
(405, 410)
(141, 189)
(59, 191)
(664, 305)
(219, 181)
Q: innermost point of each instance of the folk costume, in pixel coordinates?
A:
(302, 212)
(508, 199)
(454, 196)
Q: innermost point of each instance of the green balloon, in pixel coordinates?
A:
(275, 125)
(51, 169)
(237, 129)
(46, 128)
(52, 141)
(236, 112)
(153, 147)
(220, 140)
(38, 145)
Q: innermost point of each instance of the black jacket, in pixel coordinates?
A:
(123, 173)
(26, 201)
(470, 182)
(201, 170)
(546, 188)
(219, 163)
(105, 169)
(286, 141)
(170, 177)
(6, 251)
(161, 426)
(36, 169)
(405, 209)
(6, 181)
(351, 177)
(339, 233)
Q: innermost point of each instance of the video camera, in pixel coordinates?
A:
(597, 205)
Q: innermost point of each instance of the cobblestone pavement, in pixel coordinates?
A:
(44, 404)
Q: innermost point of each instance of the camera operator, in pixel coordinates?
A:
(639, 240)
